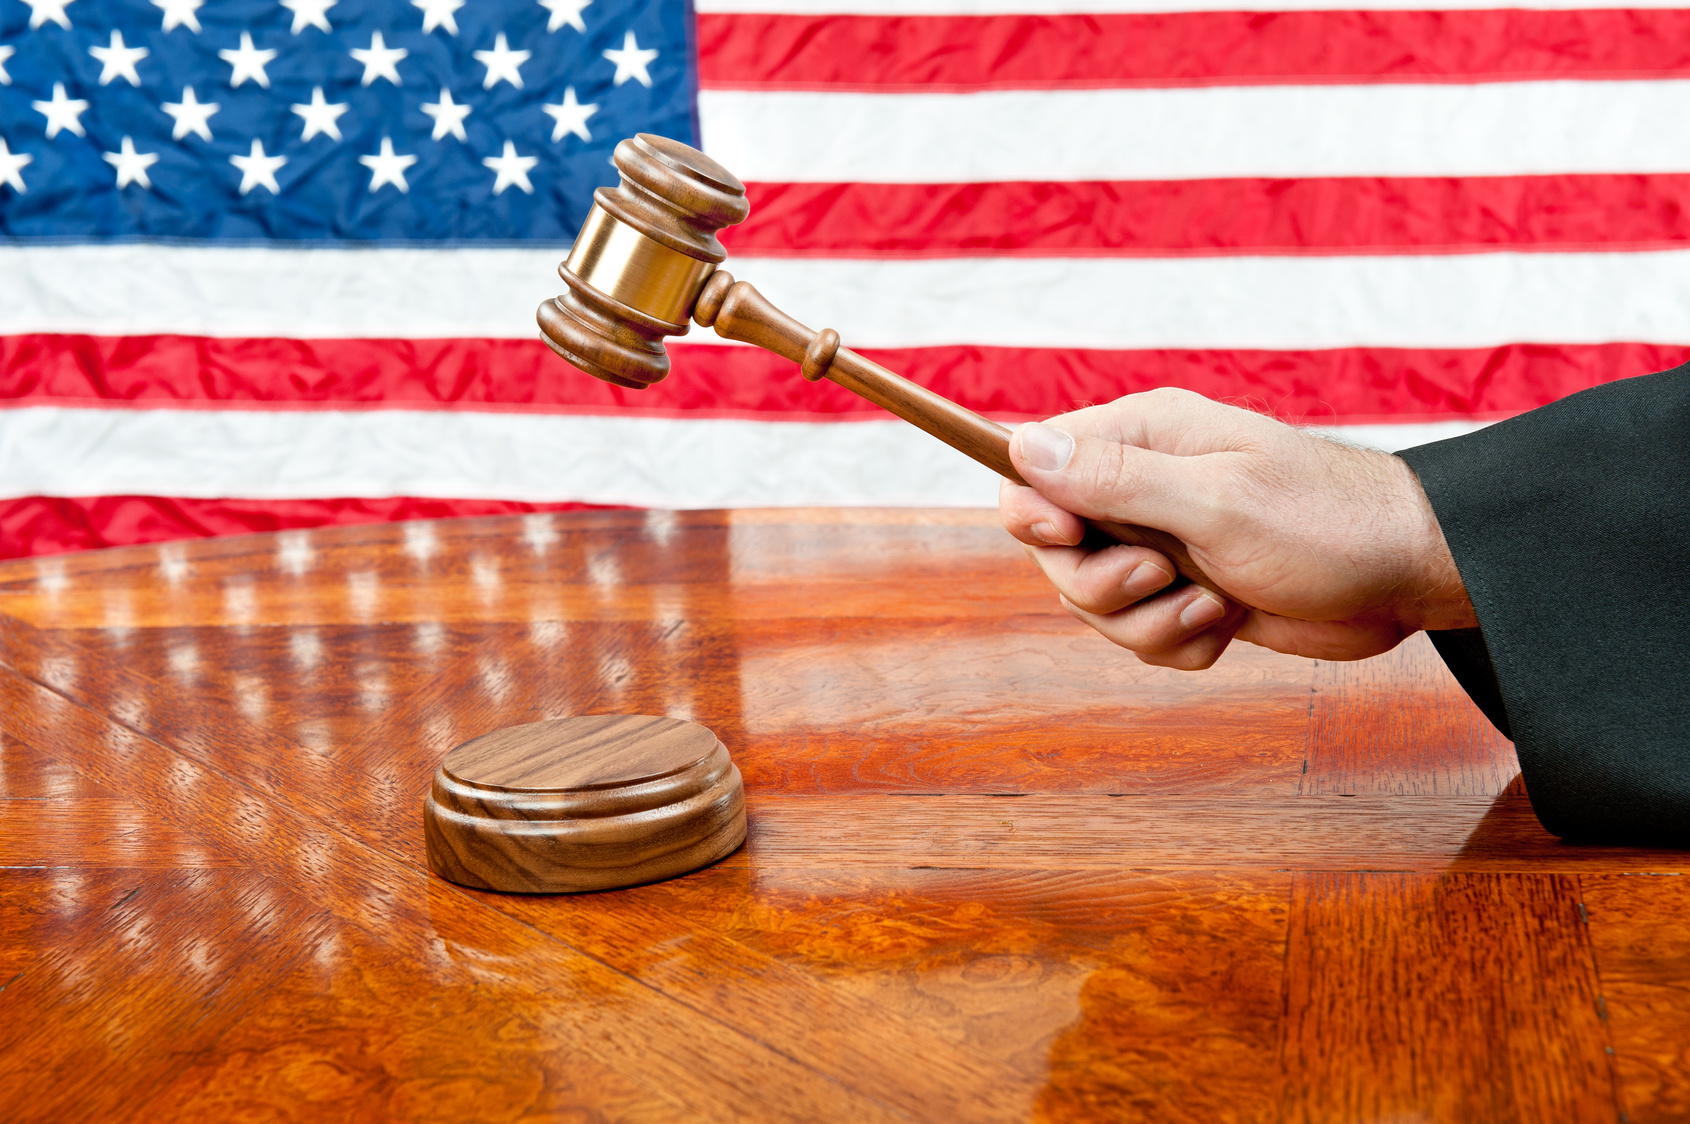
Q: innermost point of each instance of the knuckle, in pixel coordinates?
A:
(1226, 489)
(1173, 396)
(1018, 509)
(1107, 473)
(1078, 602)
(1175, 401)
(1058, 565)
(1094, 601)
(1145, 630)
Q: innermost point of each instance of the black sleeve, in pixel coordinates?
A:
(1571, 528)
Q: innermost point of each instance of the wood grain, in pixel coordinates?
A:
(1637, 931)
(1088, 832)
(871, 706)
(1434, 741)
(593, 566)
(1442, 997)
(595, 802)
(357, 1033)
(169, 967)
(709, 1068)
(996, 870)
(601, 753)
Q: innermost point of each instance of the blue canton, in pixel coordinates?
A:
(482, 121)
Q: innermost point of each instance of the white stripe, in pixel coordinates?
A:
(648, 462)
(1423, 300)
(57, 451)
(1081, 7)
(1485, 129)
(1467, 300)
(138, 289)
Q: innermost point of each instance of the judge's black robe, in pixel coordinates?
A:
(1571, 528)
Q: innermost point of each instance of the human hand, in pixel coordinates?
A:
(1322, 549)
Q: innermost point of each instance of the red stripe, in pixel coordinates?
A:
(51, 525)
(1342, 385)
(1163, 217)
(939, 53)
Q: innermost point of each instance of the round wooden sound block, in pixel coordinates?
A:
(583, 804)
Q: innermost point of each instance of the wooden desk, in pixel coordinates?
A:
(997, 870)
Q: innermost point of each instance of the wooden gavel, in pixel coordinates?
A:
(646, 259)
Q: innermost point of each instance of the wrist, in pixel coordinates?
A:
(1431, 595)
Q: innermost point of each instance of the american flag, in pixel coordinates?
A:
(274, 264)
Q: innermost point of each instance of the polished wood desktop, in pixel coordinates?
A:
(996, 868)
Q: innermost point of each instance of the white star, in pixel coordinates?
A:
(131, 165)
(571, 116)
(387, 167)
(320, 116)
(248, 62)
(5, 53)
(566, 11)
(631, 61)
(40, 11)
(62, 112)
(501, 63)
(310, 13)
(379, 60)
(448, 115)
(512, 169)
(10, 164)
(179, 12)
(438, 13)
(191, 115)
(258, 169)
(118, 61)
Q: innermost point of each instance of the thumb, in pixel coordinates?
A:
(1108, 480)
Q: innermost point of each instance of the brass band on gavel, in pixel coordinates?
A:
(639, 271)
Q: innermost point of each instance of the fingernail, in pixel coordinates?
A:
(1146, 578)
(1046, 447)
(1205, 610)
(1047, 534)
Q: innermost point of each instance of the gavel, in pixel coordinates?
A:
(647, 258)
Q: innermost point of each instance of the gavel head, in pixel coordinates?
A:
(642, 257)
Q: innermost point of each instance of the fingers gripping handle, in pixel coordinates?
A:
(1161, 542)
(739, 312)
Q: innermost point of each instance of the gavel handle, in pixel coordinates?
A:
(739, 312)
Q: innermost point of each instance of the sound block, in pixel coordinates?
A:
(577, 804)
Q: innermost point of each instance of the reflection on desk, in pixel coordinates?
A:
(997, 869)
